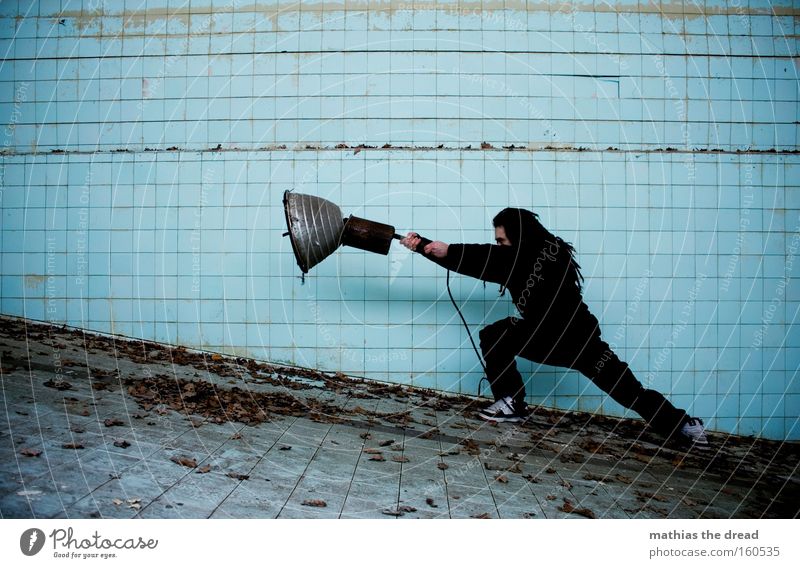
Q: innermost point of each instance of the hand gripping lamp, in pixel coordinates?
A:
(317, 228)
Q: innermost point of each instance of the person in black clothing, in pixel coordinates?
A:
(554, 327)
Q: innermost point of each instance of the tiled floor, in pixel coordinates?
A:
(330, 446)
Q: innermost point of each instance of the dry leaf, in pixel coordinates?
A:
(531, 478)
(397, 448)
(550, 470)
(239, 476)
(58, 385)
(285, 448)
(551, 497)
(365, 436)
(647, 496)
(442, 465)
(109, 422)
(73, 446)
(377, 458)
(386, 443)
(515, 468)
(400, 511)
(184, 461)
(315, 503)
(400, 459)
(568, 507)
(121, 443)
(372, 451)
(431, 503)
(30, 453)
(236, 436)
(472, 447)
(501, 479)
(216, 357)
(117, 502)
(204, 469)
(481, 516)
(429, 434)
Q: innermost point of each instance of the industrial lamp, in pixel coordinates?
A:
(317, 228)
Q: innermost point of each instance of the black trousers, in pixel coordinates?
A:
(576, 345)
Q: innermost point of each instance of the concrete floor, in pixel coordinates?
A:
(96, 426)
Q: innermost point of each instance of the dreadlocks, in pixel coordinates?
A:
(524, 230)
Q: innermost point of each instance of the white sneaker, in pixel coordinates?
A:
(503, 410)
(693, 433)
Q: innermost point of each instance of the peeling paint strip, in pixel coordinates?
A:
(483, 147)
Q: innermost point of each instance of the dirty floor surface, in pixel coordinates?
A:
(95, 426)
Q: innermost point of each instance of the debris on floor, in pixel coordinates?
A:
(99, 426)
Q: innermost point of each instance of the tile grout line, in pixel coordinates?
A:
(184, 476)
(444, 472)
(118, 473)
(319, 447)
(302, 475)
(359, 460)
(260, 459)
(355, 468)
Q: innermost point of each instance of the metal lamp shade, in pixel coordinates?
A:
(315, 227)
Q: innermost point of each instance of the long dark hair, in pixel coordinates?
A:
(524, 230)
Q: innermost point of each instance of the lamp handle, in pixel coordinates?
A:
(423, 242)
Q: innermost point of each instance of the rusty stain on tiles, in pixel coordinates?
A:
(675, 9)
(33, 280)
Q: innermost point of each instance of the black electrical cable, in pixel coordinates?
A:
(480, 359)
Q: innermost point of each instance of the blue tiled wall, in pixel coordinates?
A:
(145, 156)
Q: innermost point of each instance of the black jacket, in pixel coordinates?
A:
(542, 286)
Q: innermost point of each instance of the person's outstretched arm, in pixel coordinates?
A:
(492, 263)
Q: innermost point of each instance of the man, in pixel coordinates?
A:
(555, 326)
